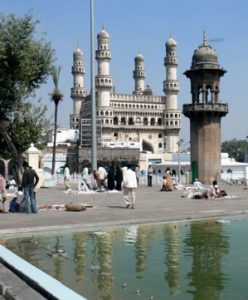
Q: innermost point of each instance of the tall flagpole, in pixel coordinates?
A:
(93, 92)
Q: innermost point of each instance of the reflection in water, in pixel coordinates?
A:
(171, 234)
(206, 245)
(144, 236)
(103, 273)
(79, 255)
(168, 261)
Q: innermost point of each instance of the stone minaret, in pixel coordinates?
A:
(103, 79)
(139, 75)
(78, 92)
(205, 113)
(171, 90)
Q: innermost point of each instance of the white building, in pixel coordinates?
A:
(151, 122)
(231, 171)
(64, 137)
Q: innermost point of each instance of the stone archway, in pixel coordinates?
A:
(146, 146)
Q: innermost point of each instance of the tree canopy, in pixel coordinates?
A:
(25, 62)
(236, 149)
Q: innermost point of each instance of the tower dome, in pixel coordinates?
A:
(170, 42)
(139, 57)
(103, 34)
(205, 57)
(78, 51)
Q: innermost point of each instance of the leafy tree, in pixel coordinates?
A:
(25, 64)
(236, 149)
(29, 125)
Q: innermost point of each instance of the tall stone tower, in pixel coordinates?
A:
(205, 113)
(78, 92)
(104, 82)
(139, 75)
(171, 90)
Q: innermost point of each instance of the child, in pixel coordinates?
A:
(16, 202)
(163, 188)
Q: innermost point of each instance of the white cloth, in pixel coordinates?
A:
(85, 174)
(19, 197)
(129, 179)
(67, 173)
(198, 184)
(102, 173)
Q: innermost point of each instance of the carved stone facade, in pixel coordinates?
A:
(153, 121)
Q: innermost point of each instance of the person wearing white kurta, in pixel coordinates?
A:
(129, 186)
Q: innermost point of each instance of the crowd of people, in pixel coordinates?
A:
(115, 178)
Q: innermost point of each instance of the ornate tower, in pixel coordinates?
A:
(103, 79)
(171, 89)
(139, 75)
(205, 113)
(78, 92)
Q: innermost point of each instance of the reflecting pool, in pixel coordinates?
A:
(201, 260)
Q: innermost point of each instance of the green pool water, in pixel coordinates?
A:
(190, 260)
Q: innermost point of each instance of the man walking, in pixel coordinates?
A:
(67, 177)
(29, 181)
(129, 186)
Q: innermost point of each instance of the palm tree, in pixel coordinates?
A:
(56, 97)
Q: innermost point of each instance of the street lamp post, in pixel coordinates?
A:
(93, 93)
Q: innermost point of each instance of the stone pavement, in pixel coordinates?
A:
(109, 210)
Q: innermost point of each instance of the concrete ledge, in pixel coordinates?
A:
(37, 283)
(13, 288)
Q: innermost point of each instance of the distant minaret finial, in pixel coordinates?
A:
(204, 40)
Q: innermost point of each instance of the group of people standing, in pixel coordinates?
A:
(116, 178)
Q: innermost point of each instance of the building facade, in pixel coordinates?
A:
(152, 122)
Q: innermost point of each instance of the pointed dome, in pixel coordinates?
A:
(139, 57)
(170, 42)
(78, 51)
(205, 57)
(103, 34)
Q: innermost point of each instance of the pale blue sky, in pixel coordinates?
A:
(144, 26)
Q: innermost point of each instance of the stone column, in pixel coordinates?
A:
(33, 158)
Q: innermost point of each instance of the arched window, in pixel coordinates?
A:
(115, 121)
(159, 121)
(123, 121)
(130, 121)
(145, 121)
(152, 121)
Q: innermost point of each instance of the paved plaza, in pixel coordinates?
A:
(108, 209)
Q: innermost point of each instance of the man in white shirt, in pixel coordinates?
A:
(129, 186)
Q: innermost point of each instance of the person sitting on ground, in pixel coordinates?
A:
(163, 188)
(214, 191)
(17, 201)
(197, 184)
(169, 182)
